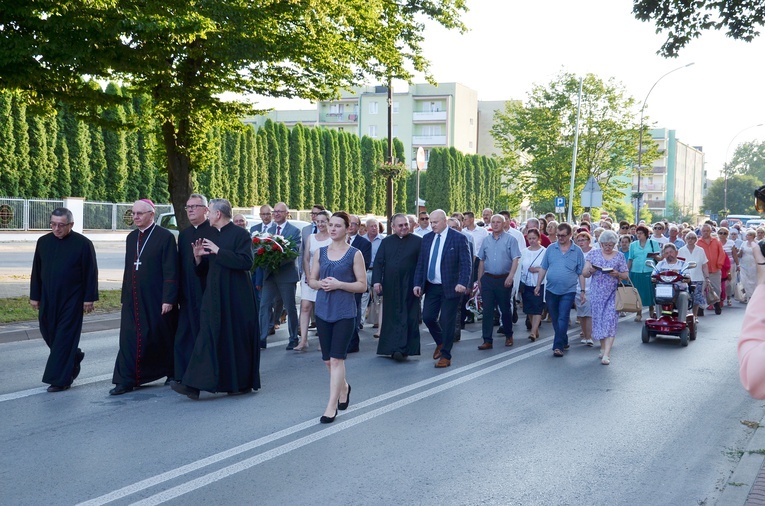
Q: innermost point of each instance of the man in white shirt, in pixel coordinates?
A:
(477, 233)
(424, 225)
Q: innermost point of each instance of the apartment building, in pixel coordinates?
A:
(678, 175)
(425, 115)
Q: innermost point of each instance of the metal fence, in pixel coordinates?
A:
(32, 214)
(109, 216)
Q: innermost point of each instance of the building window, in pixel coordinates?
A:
(470, 144)
(471, 121)
(373, 131)
(336, 109)
(372, 107)
(394, 107)
(395, 130)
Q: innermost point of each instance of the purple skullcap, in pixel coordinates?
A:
(148, 201)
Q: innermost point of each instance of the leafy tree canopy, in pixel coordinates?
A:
(537, 141)
(749, 159)
(684, 20)
(740, 195)
(187, 53)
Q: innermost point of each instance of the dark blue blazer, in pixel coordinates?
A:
(259, 274)
(362, 244)
(288, 272)
(456, 263)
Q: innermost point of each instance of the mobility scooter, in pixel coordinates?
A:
(676, 317)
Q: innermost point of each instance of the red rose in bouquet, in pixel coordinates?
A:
(272, 251)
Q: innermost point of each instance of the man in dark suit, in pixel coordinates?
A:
(363, 245)
(266, 215)
(442, 274)
(282, 281)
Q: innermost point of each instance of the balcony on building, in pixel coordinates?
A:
(429, 116)
(429, 140)
(655, 204)
(339, 117)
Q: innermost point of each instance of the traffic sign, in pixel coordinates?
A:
(592, 195)
(560, 202)
(420, 158)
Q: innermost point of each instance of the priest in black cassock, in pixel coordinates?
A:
(64, 286)
(191, 286)
(149, 295)
(393, 278)
(225, 357)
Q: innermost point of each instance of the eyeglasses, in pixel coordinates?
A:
(658, 228)
(265, 214)
(192, 207)
(561, 236)
(424, 219)
(402, 225)
(722, 233)
(139, 213)
(59, 225)
(278, 211)
(624, 227)
(314, 214)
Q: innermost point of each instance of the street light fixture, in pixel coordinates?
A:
(640, 141)
(726, 165)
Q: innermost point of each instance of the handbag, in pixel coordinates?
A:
(628, 299)
(738, 293)
(711, 296)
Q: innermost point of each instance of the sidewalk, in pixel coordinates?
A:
(23, 331)
(746, 486)
(93, 235)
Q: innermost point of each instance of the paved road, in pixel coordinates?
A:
(16, 266)
(660, 425)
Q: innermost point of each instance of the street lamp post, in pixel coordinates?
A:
(640, 141)
(726, 165)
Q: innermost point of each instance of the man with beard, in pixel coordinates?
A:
(149, 294)
(225, 357)
(393, 277)
(64, 286)
(191, 286)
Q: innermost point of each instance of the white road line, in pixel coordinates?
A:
(230, 470)
(41, 390)
(218, 457)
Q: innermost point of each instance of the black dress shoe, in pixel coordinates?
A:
(263, 345)
(718, 307)
(399, 357)
(120, 389)
(190, 392)
(272, 331)
(241, 392)
(54, 388)
(169, 380)
(342, 406)
(291, 345)
(353, 350)
(77, 360)
(501, 330)
(328, 419)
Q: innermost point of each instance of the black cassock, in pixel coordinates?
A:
(225, 356)
(64, 276)
(190, 293)
(394, 268)
(146, 335)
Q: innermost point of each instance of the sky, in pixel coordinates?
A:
(513, 45)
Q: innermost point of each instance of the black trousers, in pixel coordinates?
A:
(439, 313)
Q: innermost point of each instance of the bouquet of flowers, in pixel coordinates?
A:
(271, 251)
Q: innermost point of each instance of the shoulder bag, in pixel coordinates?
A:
(628, 299)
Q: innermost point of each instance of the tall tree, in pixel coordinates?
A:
(186, 54)
(62, 181)
(261, 166)
(283, 137)
(344, 172)
(318, 166)
(97, 162)
(149, 155)
(9, 177)
(330, 148)
(21, 146)
(78, 145)
(42, 168)
(543, 130)
(740, 199)
(297, 168)
(273, 159)
(684, 21)
(749, 159)
(132, 155)
(115, 148)
(358, 195)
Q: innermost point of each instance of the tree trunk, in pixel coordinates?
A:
(178, 174)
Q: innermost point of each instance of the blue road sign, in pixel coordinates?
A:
(560, 202)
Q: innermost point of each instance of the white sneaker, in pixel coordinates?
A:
(589, 342)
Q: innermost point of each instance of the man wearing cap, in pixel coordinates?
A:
(149, 295)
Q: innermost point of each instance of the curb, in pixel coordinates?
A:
(747, 483)
(24, 331)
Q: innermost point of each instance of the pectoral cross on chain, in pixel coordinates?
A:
(137, 263)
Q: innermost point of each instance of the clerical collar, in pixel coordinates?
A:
(145, 229)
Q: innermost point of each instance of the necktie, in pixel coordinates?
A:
(348, 240)
(433, 258)
(278, 230)
(314, 229)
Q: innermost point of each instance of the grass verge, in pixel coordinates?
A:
(17, 309)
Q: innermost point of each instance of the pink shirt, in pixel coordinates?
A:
(751, 346)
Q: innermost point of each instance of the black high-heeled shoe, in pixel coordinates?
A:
(342, 406)
(328, 419)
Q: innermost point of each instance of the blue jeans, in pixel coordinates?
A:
(559, 307)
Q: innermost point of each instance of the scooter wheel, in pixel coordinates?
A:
(684, 337)
(646, 336)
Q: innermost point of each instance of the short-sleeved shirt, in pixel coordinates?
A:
(498, 253)
(639, 254)
(563, 269)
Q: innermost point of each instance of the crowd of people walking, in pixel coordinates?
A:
(198, 314)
